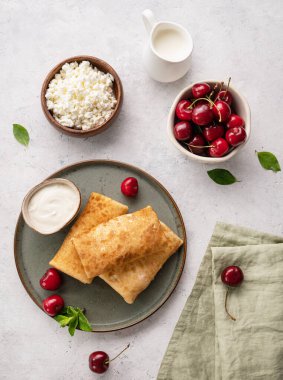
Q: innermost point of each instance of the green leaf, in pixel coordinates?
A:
(63, 320)
(83, 322)
(73, 317)
(71, 311)
(222, 176)
(268, 161)
(21, 134)
(73, 325)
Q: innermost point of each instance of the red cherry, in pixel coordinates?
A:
(202, 114)
(98, 362)
(221, 109)
(226, 96)
(232, 276)
(235, 121)
(130, 187)
(198, 143)
(183, 112)
(52, 305)
(213, 132)
(199, 90)
(51, 280)
(236, 136)
(218, 147)
(183, 131)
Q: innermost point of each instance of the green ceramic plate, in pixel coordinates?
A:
(105, 309)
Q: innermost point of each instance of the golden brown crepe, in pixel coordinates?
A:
(129, 279)
(99, 209)
(125, 238)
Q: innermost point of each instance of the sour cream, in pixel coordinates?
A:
(52, 206)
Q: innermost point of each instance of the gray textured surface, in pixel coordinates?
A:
(237, 38)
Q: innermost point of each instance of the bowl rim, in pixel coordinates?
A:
(41, 185)
(207, 160)
(102, 66)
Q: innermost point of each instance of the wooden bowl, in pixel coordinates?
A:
(117, 87)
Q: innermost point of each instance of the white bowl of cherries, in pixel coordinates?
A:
(209, 122)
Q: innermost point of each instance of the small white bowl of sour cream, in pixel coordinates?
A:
(51, 205)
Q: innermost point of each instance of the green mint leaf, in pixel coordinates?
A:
(73, 325)
(222, 176)
(63, 320)
(83, 322)
(268, 161)
(72, 311)
(73, 317)
(59, 318)
(21, 134)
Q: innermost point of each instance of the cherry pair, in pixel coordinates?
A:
(52, 280)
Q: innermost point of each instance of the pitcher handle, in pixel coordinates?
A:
(148, 19)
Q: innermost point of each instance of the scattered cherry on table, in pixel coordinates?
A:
(99, 361)
(51, 280)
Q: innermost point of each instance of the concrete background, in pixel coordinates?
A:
(232, 38)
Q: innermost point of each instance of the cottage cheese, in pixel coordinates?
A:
(81, 96)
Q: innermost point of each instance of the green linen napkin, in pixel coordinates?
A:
(206, 344)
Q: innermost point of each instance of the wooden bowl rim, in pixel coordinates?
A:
(102, 66)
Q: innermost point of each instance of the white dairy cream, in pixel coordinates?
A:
(52, 206)
(171, 44)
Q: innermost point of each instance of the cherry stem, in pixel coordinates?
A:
(199, 146)
(111, 360)
(211, 105)
(196, 100)
(229, 80)
(226, 297)
(220, 89)
(213, 90)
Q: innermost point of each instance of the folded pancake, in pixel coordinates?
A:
(130, 279)
(125, 238)
(99, 209)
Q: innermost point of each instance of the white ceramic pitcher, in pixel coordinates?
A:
(167, 55)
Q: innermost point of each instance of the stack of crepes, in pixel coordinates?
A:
(125, 250)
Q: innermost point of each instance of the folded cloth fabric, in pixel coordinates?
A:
(206, 344)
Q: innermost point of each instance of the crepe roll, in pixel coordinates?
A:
(130, 279)
(99, 209)
(122, 239)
